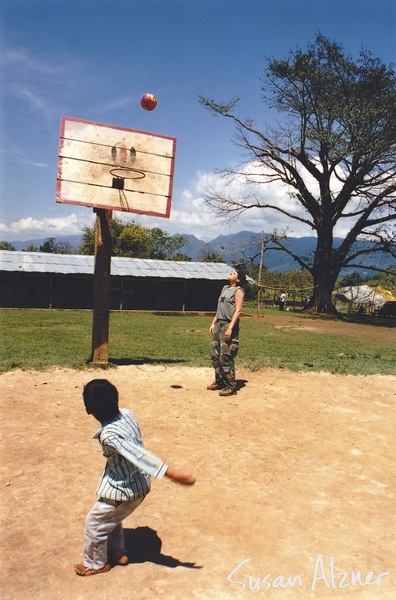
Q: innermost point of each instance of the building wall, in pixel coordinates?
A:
(38, 290)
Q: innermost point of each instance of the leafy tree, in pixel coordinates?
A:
(87, 245)
(131, 239)
(51, 246)
(31, 248)
(209, 254)
(298, 284)
(353, 278)
(384, 280)
(65, 247)
(6, 246)
(299, 280)
(334, 152)
(165, 247)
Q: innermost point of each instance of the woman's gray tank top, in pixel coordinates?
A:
(226, 303)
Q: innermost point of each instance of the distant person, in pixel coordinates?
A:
(282, 301)
(125, 480)
(225, 334)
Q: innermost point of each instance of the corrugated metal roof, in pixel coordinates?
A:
(67, 264)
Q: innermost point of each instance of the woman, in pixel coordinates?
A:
(225, 330)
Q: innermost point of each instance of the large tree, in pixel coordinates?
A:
(133, 240)
(334, 151)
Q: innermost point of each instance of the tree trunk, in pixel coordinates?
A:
(325, 274)
(321, 302)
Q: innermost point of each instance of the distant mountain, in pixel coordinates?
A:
(230, 248)
(73, 240)
(193, 247)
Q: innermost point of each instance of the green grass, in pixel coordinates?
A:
(39, 339)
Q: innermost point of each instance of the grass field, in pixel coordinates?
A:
(38, 339)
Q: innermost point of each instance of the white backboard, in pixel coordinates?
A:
(110, 167)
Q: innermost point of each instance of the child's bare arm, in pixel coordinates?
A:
(179, 477)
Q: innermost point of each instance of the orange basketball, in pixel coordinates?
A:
(148, 102)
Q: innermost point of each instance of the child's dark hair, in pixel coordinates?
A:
(101, 399)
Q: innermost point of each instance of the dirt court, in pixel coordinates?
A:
(295, 493)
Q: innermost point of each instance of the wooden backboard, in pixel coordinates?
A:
(110, 167)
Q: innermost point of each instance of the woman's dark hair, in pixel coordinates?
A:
(101, 399)
(241, 277)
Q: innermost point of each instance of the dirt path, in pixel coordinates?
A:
(295, 474)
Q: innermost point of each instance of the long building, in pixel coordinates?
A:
(43, 280)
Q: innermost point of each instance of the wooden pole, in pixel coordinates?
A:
(101, 310)
(259, 274)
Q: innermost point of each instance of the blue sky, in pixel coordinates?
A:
(94, 59)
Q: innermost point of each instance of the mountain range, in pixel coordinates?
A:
(231, 247)
(248, 243)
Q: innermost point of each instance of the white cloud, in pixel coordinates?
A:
(189, 215)
(32, 228)
(23, 60)
(253, 219)
(39, 83)
(18, 156)
(112, 104)
(36, 101)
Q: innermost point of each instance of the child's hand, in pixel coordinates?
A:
(179, 477)
(188, 479)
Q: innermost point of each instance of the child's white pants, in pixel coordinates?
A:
(103, 530)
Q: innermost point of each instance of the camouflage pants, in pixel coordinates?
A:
(223, 354)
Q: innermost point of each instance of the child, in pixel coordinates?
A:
(125, 480)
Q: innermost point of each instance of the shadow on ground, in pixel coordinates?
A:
(146, 361)
(143, 545)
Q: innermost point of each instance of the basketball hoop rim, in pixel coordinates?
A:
(137, 173)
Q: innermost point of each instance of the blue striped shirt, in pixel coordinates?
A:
(129, 466)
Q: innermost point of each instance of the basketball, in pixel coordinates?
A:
(148, 101)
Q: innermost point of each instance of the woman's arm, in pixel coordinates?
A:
(211, 328)
(239, 296)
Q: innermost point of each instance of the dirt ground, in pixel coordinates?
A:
(295, 492)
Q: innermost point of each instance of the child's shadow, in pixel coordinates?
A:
(143, 544)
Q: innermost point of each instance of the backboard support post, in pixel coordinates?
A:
(101, 310)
